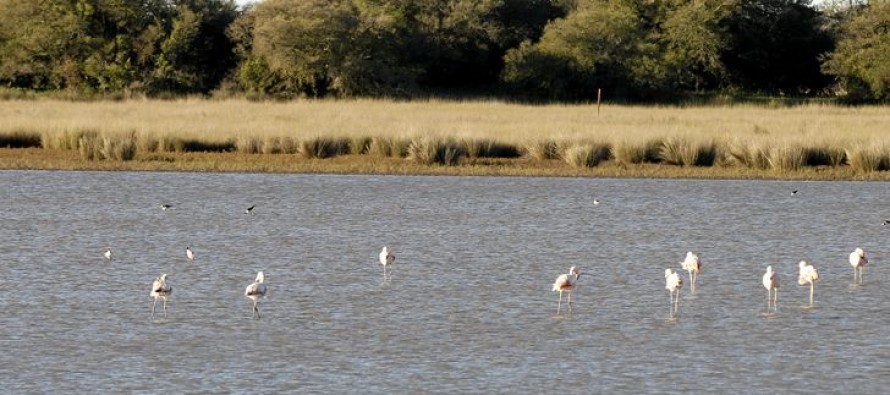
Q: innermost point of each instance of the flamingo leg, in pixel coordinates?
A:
(153, 307)
(559, 303)
(165, 307)
(569, 298)
(812, 287)
(256, 309)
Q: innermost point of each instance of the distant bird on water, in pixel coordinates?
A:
(249, 209)
(255, 291)
(771, 283)
(189, 254)
(673, 283)
(809, 275)
(794, 192)
(107, 254)
(692, 264)
(164, 207)
(160, 290)
(386, 259)
(566, 283)
(886, 222)
(858, 260)
(596, 202)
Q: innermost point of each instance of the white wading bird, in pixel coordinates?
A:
(189, 254)
(386, 259)
(160, 290)
(858, 260)
(673, 283)
(255, 291)
(808, 274)
(566, 283)
(692, 265)
(771, 283)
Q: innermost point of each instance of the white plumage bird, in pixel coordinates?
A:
(386, 259)
(673, 283)
(692, 264)
(107, 254)
(189, 254)
(255, 291)
(809, 275)
(160, 290)
(771, 283)
(566, 283)
(858, 260)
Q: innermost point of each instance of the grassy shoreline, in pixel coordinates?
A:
(41, 159)
(450, 138)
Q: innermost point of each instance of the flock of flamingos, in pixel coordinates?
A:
(692, 264)
(565, 283)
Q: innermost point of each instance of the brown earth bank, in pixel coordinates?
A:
(44, 159)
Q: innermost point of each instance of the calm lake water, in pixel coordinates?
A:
(469, 308)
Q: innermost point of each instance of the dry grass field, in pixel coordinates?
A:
(448, 137)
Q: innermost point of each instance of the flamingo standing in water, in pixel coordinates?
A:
(808, 274)
(160, 290)
(566, 283)
(771, 283)
(858, 260)
(386, 259)
(673, 283)
(255, 291)
(692, 265)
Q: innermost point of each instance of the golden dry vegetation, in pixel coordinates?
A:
(449, 137)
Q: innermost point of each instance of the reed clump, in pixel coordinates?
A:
(787, 156)
(542, 149)
(323, 147)
(488, 148)
(871, 157)
(681, 151)
(431, 150)
(389, 147)
(626, 151)
(586, 154)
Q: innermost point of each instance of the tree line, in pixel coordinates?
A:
(649, 50)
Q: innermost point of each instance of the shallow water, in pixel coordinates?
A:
(469, 307)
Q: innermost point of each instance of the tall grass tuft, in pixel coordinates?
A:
(628, 152)
(542, 149)
(67, 140)
(588, 154)
(90, 145)
(389, 147)
(121, 147)
(750, 154)
(864, 157)
(359, 145)
(430, 150)
(323, 147)
(488, 148)
(20, 139)
(787, 156)
(248, 144)
(682, 152)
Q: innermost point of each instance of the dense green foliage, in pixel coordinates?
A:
(542, 49)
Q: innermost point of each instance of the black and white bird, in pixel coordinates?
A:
(794, 192)
(249, 209)
(886, 222)
(255, 291)
(189, 254)
(166, 206)
(160, 290)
